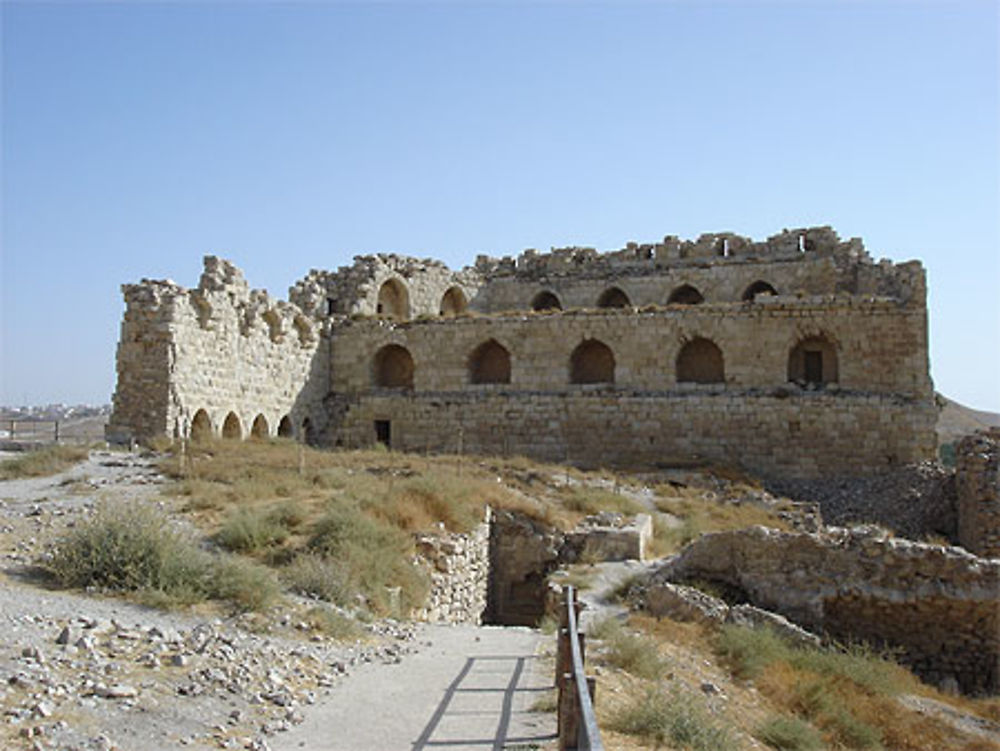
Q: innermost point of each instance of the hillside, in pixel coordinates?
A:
(956, 420)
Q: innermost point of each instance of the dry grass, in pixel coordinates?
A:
(42, 462)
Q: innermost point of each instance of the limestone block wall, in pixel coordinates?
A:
(977, 489)
(881, 347)
(809, 435)
(939, 604)
(220, 348)
(458, 565)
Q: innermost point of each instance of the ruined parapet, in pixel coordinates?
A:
(420, 287)
(939, 605)
(610, 536)
(977, 485)
(238, 355)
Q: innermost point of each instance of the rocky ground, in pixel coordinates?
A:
(83, 672)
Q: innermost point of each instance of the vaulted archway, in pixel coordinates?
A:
(285, 427)
(260, 428)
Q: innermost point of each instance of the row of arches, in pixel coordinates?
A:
(394, 301)
(811, 362)
(615, 297)
(202, 428)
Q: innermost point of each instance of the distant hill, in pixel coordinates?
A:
(956, 420)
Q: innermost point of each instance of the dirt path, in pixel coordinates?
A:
(467, 688)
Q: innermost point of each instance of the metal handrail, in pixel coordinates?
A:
(588, 736)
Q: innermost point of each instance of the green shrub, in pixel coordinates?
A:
(249, 530)
(748, 651)
(315, 575)
(789, 733)
(134, 548)
(245, 584)
(638, 655)
(335, 625)
(129, 547)
(672, 718)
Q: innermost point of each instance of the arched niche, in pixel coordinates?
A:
(700, 361)
(592, 362)
(758, 288)
(260, 429)
(613, 297)
(685, 295)
(232, 429)
(546, 300)
(393, 300)
(813, 362)
(286, 429)
(201, 426)
(393, 367)
(489, 363)
(453, 302)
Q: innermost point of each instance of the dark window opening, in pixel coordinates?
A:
(613, 298)
(546, 301)
(685, 295)
(383, 432)
(814, 366)
(331, 306)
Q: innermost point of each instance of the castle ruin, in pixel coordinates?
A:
(798, 356)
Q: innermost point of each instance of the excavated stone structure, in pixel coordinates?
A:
(939, 605)
(977, 491)
(797, 356)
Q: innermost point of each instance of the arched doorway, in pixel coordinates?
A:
(813, 362)
(231, 427)
(546, 300)
(613, 297)
(285, 428)
(259, 429)
(685, 295)
(201, 426)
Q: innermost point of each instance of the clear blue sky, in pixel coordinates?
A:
(138, 137)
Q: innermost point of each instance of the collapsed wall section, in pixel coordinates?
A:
(221, 358)
(977, 491)
(938, 604)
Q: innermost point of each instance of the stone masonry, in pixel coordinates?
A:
(796, 356)
(977, 490)
(938, 604)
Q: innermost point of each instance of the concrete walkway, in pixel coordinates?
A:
(470, 690)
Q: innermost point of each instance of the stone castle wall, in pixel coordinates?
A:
(458, 567)
(977, 490)
(220, 348)
(715, 381)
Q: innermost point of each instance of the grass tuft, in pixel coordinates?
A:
(43, 462)
(672, 718)
(789, 733)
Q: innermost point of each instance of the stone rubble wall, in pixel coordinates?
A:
(220, 347)
(977, 490)
(458, 565)
(940, 605)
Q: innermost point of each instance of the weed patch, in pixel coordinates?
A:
(789, 733)
(43, 462)
(672, 718)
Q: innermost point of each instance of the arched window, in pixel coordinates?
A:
(592, 362)
(453, 302)
(546, 300)
(259, 429)
(613, 297)
(489, 363)
(393, 367)
(758, 288)
(201, 426)
(813, 362)
(700, 361)
(285, 428)
(232, 428)
(393, 300)
(685, 295)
